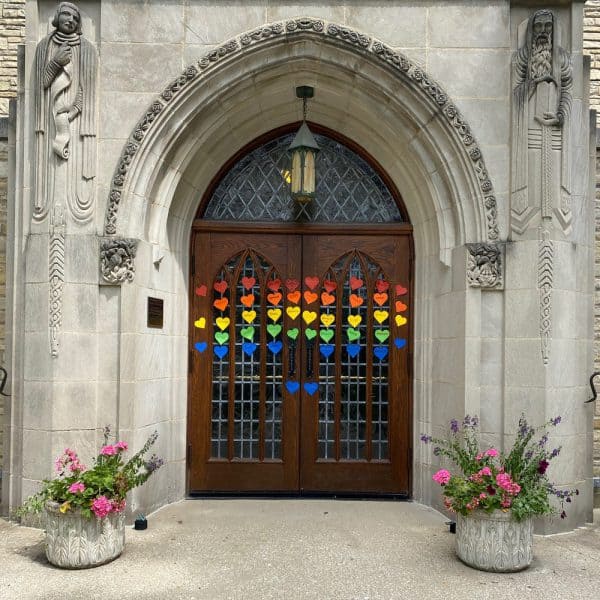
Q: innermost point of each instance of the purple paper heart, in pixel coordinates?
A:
(311, 387)
(292, 386)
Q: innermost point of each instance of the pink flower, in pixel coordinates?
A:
(482, 496)
(442, 477)
(479, 456)
(76, 488)
(101, 506)
(506, 483)
(486, 471)
(491, 452)
(121, 446)
(118, 506)
(108, 450)
(77, 467)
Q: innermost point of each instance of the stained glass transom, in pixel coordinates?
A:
(348, 189)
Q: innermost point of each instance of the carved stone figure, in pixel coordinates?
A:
(117, 259)
(484, 266)
(542, 99)
(65, 117)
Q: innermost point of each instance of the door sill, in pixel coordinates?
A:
(301, 494)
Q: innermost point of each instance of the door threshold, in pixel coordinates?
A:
(301, 494)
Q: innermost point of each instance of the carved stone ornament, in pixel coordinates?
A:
(545, 286)
(117, 258)
(484, 266)
(328, 33)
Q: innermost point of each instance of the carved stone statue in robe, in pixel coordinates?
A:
(540, 161)
(65, 117)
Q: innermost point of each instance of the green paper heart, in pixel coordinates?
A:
(382, 335)
(274, 329)
(293, 333)
(248, 333)
(326, 334)
(310, 334)
(221, 337)
(353, 334)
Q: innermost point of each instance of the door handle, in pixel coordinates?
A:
(309, 358)
(292, 362)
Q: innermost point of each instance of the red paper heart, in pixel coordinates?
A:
(327, 299)
(291, 284)
(355, 283)
(220, 286)
(311, 282)
(274, 284)
(248, 282)
(329, 285)
(382, 285)
(201, 290)
(401, 290)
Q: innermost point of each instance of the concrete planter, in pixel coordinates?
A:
(494, 542)
(75, 542)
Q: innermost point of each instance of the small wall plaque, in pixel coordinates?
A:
(155, 312)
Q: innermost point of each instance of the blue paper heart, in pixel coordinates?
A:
(292, 386)
(200, 346)
(400, 342)
(353, 349)
(275, 347)
(327, 349)
(221, 351)
(380, 352)
(249, 348)
(311, 387)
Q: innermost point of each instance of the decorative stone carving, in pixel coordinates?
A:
(541, 178)
(484, 266)
(56, 274)
(117, 258)
(65, 69)
(545, 282)
(329, 33)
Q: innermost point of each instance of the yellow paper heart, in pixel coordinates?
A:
(292, 311)
(249, 315)
(222, 322)
(400, 320)
(354, 320)
(381, 315)
(327, 320)
(274, 313)
(200, 323)
(309, 316)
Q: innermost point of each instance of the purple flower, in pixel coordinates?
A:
(555, 452)
(454, 426)
(491, 490)
(437, 451)
(154, 463)
(543, 440)
(556, 421)
(425, 438)
(542, 466)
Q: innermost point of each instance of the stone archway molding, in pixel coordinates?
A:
(399, 64)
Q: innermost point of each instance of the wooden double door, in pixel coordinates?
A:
(300, 361)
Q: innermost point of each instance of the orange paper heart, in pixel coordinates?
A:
(247, 300)
(221, 303)
(380, 299)
(310, 297)
(294, 296)
(355, 300)
(327, 299)
(400, 306)
(274, 298)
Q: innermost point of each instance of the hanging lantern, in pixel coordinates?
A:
(304, 150)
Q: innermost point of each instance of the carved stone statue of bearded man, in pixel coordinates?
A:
(65, 117)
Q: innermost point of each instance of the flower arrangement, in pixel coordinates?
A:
(490, 479)
(101, 489)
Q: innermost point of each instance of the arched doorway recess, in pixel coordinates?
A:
(299, 329)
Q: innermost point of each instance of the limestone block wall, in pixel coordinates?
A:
(12, 31)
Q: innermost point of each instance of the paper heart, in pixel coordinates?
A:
(274, 314)
(200, 346)
(294, 296)
(274, 329)
(311, 282)
(220, 286)
(248, 282)
(249, 315)
(221, 351)
(381, 285)
(247, 332)
(274, 284)
(292, 311)
(309, 316)
(400, 306)
(380, 352)
(352, 349)
(311, 387)
(400, 290)
(292, 284)
(275, 347)
(201, 290)
(381, 315)
(355, 300)
(400, 320)
(247, 300)
(329, 285)
(354, 320)
(293, 333)
(355, 283)
(327, 299)
(399, 342)
(380, 298)
(222, 322)
(221, 337)
(353, 334)
(221, 304)
(292, 386)
(200, 323)
(274, 298)
(310, 334)
(249, 348)
(327, 319)
(326, 350)
(310, 297)
(382, 335)
(326, 334)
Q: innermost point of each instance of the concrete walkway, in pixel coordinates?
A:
(296, 549)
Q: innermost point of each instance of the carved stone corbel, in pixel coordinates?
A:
(485, 265)
(117, 260)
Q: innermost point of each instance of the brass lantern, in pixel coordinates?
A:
(304, 150)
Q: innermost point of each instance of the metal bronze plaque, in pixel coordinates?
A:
(155, 312)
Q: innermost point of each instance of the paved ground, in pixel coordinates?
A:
(297, 549)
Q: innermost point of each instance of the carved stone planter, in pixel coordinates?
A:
(75, 542)
(494, 542)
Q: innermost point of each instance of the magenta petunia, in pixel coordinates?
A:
(108, 450)
(76, 488)
(121, 446)
(101, 506)
(442, 477)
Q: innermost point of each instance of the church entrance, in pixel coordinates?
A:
(300, 346)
